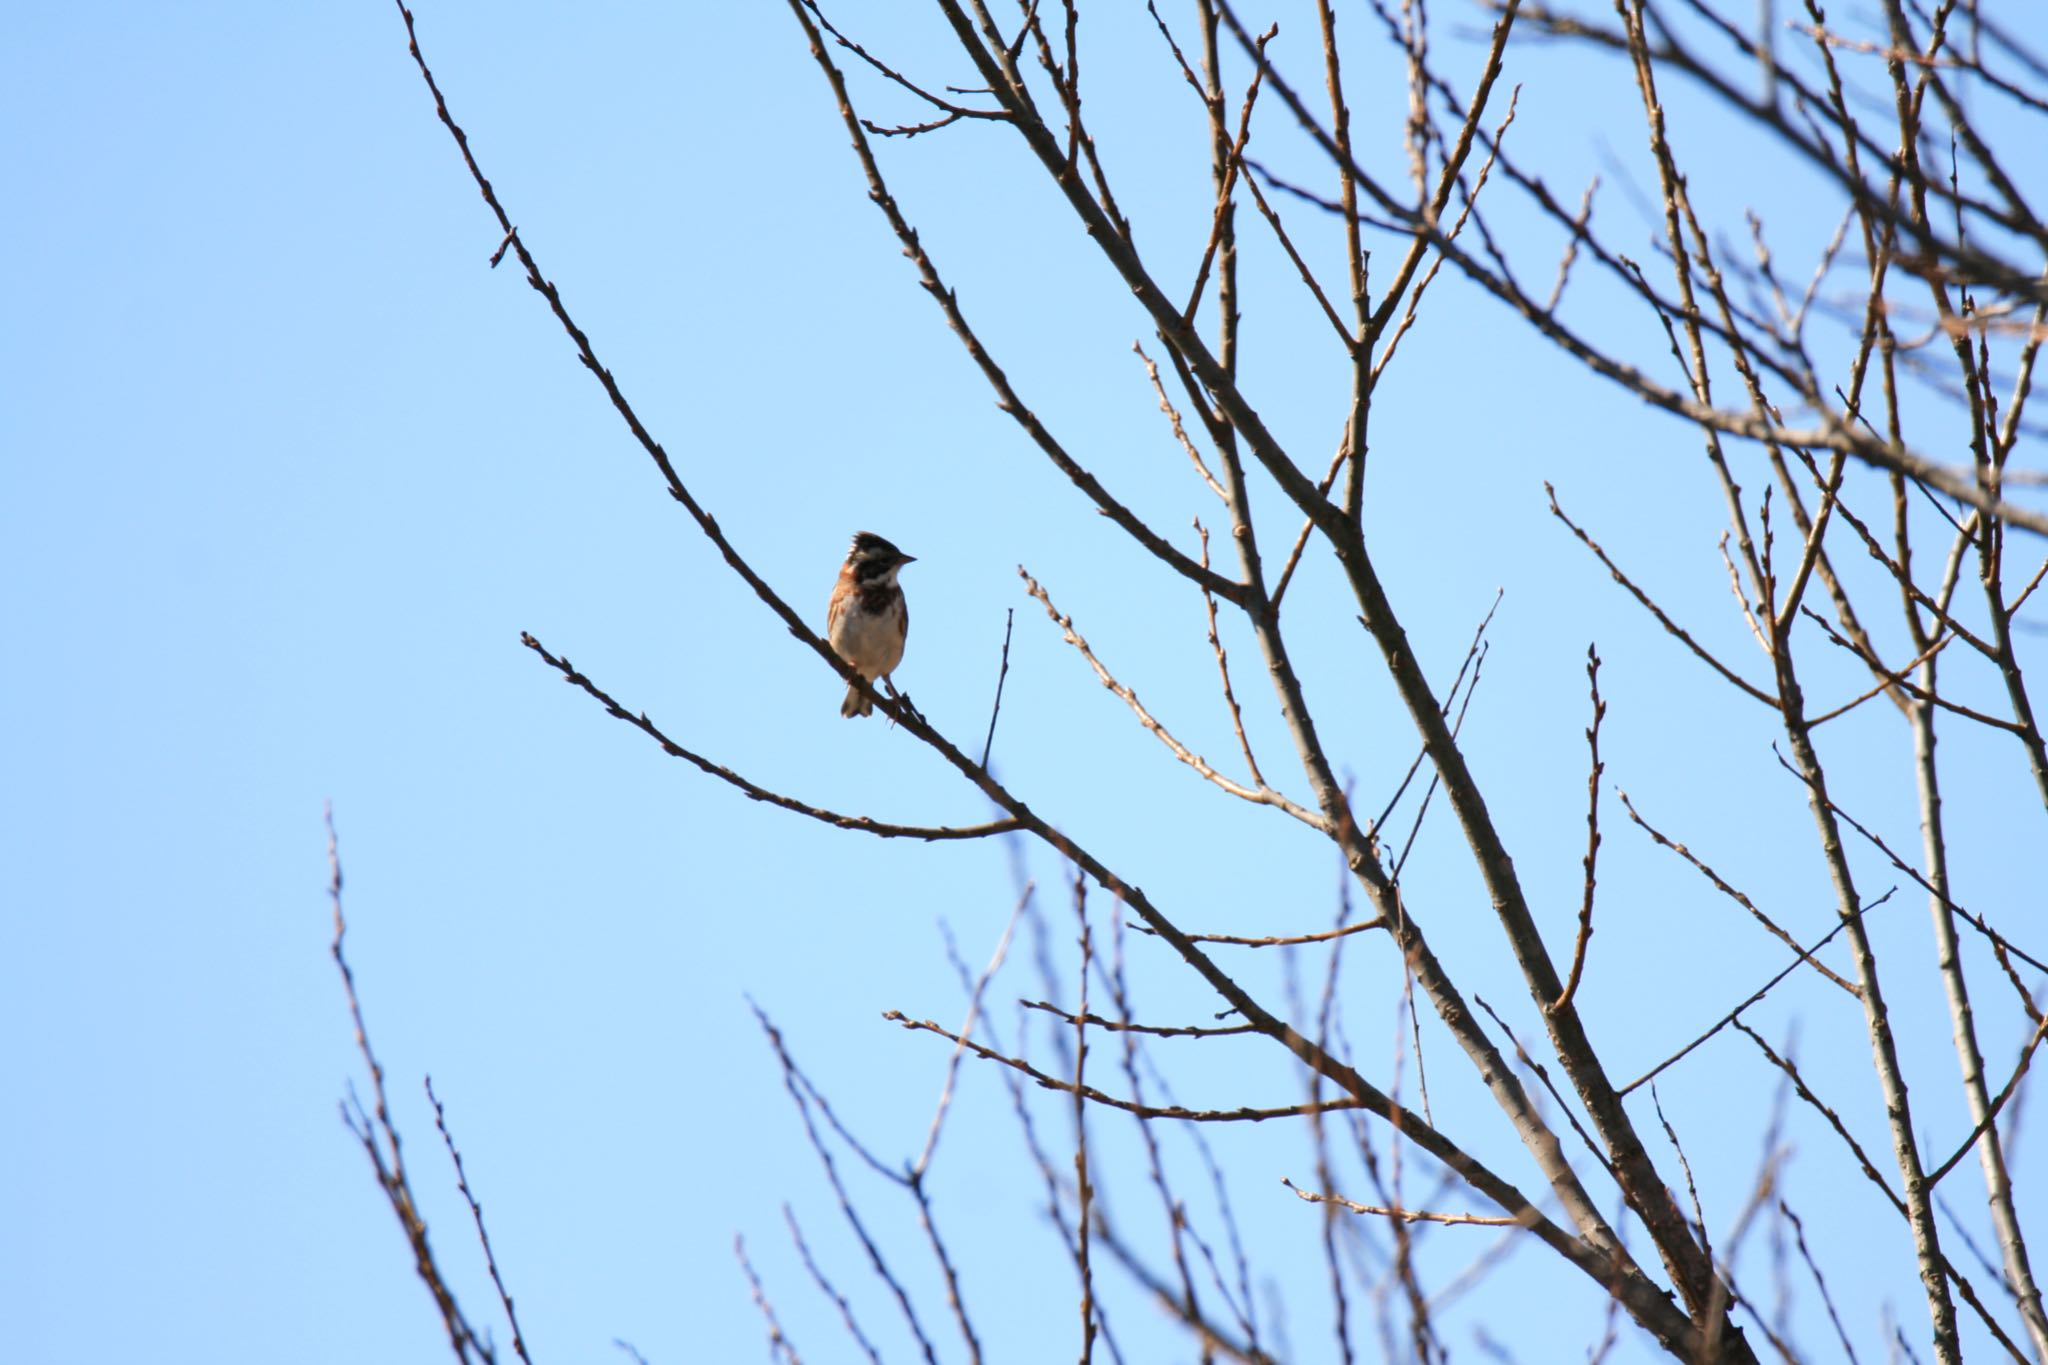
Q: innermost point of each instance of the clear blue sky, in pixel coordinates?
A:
(288, 470)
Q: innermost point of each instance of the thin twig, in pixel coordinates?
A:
(1180, 431)
(1542, 1074)
(1580, 223)
(1400, 1214)
(1126, 1026)
(754, 791)
(381, 1142)
(1791, 1070)
(1946, 1266)
(826, 1287)
(1009, 619)
(1998, 1102)
(1819, 1280)
(1805, 954)
(1178, 1226)
(1744, 901)
(1692, 1190)
(1284, 940)
(1258, 795)
(796, 1085)
(1084, 1189)
(779, 1344)
(1244, 743)
(1242, 1114)
(1999, 942)
(1671, 627)
(1571, 982)
(476, 1212)
(974, 995)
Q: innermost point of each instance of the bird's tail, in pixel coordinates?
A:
(856, 703)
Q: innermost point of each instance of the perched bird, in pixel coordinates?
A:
(868, 619)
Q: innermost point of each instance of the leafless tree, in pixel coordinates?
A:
(1880, 404)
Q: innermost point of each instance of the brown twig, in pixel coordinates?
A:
(1284, 940)
(380, 1141)
(1222, 231)
(1897, 678)
(1258, 795)
(1585, 935)
(1241, 1114)
(1834, 1120)
(1178, 1226)
(1692, 1190)
(1084, 1188)
(794, 1082)
(1886, 680)
(2000, 943)
(996, 709)
(1332, 1235)
(1400, 1214)
(1243, 1305)
(1244, 744)
(1301, 267)
(1805, 954)
(1208, 1334)
(1580, 223)
(951, 110)
(1819, 1280)
(974, 995)
(1126, 1026)
(1323, 486)
(476, 1212)
(1745, 902)
(1474, 652)
(1542, 1074)
(779, 1344)
(1997, 1103)
(754, 791)
(1671, 627)
(1180, 431)
(1870, 1172)
(1469, 205)
(1436, 776)
(826, 1287)
(1426, 234)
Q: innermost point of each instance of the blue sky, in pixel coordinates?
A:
(288, 470)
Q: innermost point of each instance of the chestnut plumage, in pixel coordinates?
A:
(868, 620)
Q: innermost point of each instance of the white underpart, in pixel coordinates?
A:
(872, 644)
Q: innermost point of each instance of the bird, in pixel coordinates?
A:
(868, 620)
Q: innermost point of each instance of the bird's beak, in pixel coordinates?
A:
(910, 559)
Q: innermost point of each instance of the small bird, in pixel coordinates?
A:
(868, 619)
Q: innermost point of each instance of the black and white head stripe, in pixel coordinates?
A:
(868, 545)
(873, 557)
